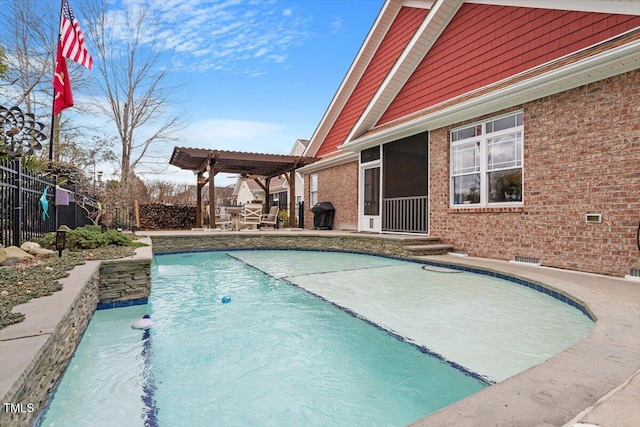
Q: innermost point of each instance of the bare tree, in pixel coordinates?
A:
(29, 36)
(29, 33)
(132, 88)
(3, 63)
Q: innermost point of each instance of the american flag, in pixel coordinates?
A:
(71, 38)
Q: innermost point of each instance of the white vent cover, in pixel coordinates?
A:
(593, 218)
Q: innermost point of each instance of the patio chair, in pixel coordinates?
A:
(222, 221)
(271, 218)
(250, 215)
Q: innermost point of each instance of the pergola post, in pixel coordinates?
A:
(265, 188)
(212, 198)
(265, 206)
(199, 221)
(291, 179)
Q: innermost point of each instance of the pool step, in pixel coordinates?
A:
(427, 246)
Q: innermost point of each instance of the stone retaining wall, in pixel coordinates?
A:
(113, 280)
(47, 366)
(128, 279)
(352, 243)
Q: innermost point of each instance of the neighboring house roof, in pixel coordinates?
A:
(412, 71)
(248, 183)
(299, 147)
(278, 184)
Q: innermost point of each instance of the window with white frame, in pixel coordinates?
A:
(313, 190)
(486, 162)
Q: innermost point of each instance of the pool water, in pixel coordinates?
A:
(276, 355)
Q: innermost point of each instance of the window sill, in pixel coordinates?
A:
(486, 209)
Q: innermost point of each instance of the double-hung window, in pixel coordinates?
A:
(313, 190)
(486, 162)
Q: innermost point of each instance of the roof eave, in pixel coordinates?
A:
(336, 160)
(607, 64)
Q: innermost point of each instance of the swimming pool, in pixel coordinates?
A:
(276, 355)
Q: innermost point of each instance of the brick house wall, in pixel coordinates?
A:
(338, 185)
(581, 155)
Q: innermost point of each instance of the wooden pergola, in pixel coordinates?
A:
(256, 166)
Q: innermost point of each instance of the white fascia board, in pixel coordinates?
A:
(340, 159)
(631, 7)
(607, 64)
(420, 4)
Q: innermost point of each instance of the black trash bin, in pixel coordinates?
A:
(323, 216)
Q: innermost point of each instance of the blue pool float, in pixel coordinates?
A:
(226, 300)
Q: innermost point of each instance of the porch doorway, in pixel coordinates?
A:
(370, 190)
(405, 189)
(370, 195)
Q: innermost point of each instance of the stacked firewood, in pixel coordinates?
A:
(160, 216)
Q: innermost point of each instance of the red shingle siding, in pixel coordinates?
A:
(484, 44)
(395, 41)
(338, 185)
(581, 155)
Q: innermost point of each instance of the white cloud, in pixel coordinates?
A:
(229, 134)
(336, 25)
(224, 34)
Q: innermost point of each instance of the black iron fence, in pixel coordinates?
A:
(28, 207)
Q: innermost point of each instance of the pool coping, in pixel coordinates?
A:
(594, 381)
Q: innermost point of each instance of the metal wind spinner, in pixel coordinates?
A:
(20, 133)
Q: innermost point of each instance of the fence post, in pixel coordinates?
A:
(18, 202)
(301, 214)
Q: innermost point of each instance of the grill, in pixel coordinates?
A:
(323, 213)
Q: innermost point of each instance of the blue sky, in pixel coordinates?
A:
(257, 75)
(250, 75)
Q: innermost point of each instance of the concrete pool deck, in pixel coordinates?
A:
(594, 382)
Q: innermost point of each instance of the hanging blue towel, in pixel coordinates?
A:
(45, 204)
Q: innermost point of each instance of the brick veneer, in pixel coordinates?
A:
(581, 155)
(338, 185)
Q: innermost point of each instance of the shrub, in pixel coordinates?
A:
(89, 237)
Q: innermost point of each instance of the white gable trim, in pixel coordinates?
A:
(607, 64)
(383, 22)
(629, 7)
(426, 35)
(420, 4)
(440, 14)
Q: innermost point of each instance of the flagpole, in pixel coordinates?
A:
(53, 103)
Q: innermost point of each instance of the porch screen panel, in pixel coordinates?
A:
(406, 186)
(372, 191)
(405, 167)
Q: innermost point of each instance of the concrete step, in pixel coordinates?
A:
(429, 249)
(422, 240)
